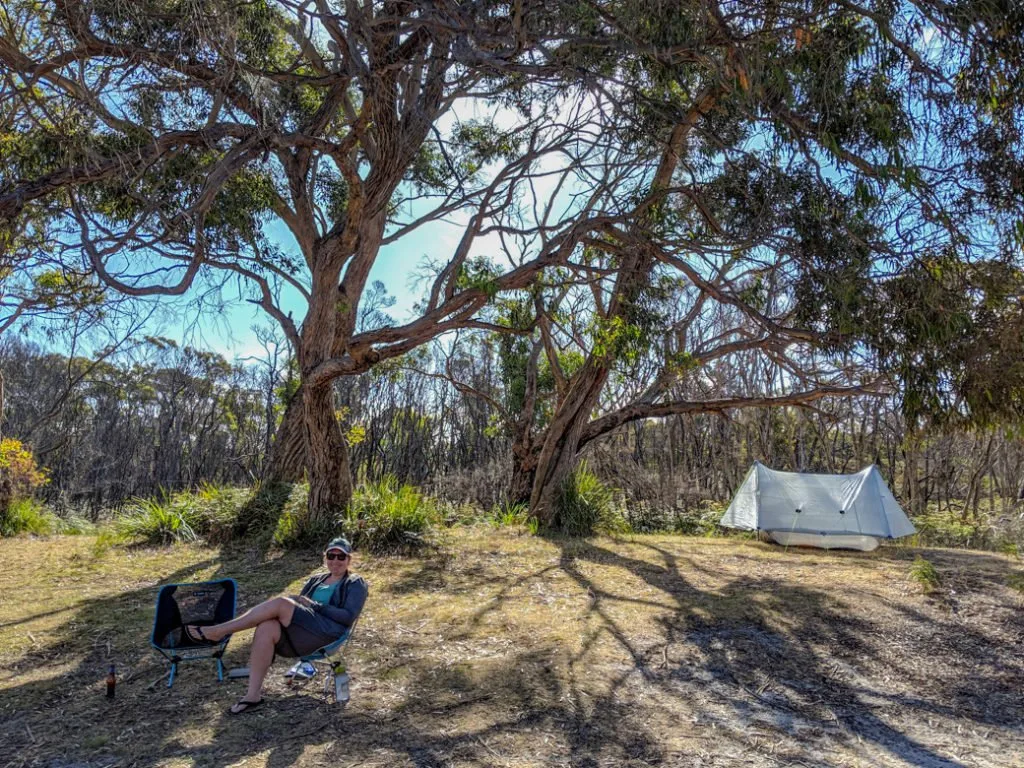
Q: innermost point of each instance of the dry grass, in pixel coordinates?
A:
(509, 650)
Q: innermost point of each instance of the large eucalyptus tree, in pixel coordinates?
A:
(834, 190)
(160, 142)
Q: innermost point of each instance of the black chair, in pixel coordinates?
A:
(203, 604)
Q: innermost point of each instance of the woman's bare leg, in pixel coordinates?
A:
(279, 609)
(261, 656)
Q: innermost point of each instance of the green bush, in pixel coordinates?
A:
(150, 521)
(291, 528)
(388, 517)
(215, 510)
(587, 506)
(925, 574)
(210, 513)
(71, 524)
(267, 506)
(28, 516)
(464, 513)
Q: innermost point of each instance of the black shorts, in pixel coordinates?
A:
(308, 632)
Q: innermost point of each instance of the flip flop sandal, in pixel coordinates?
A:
(198, 637)
(246, 706)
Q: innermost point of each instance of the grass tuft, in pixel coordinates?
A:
(587, 506)
(149, 521)
(210, 513)
(924, 573)
(509, 514)
(28, 516)
(390, 517)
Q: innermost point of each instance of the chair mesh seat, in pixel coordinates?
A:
(201, 604)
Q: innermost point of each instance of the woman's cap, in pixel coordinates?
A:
(340, 543)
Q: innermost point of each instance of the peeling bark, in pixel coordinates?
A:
(330, 478)
(287, 460)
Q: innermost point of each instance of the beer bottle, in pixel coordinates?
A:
(111, 682)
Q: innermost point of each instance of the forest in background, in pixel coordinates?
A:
(165, 418)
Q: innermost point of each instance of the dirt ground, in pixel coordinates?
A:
(503, 649)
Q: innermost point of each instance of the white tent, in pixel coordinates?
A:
(827, 511)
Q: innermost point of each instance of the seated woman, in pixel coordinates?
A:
(296, 625)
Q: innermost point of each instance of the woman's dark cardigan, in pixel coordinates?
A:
(346, 601)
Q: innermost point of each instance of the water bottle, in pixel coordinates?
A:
(341, 678)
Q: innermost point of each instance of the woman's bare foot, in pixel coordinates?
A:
(199, 634)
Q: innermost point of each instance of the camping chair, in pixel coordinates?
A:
(203, 604)
(322, 654)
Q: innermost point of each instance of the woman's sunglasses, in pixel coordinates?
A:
(336, 556)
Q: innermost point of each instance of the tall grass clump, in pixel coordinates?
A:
(209, 513)
(587, 506)
(386, 516)
(1015, 581)
(291, 527)
(27, 516)
(924, 573)
(149, 521)
(509, 514)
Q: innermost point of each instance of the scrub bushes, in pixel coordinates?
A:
(386, 516)
(587, 506)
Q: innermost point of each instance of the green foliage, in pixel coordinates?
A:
(291, 526)
(478, 274)
(953, 333)
(388, 517)
(209, 513)
(509, 514)
(1015, 581)
(153, 522)
(274, 511)
(27, 516)
(614, 338)
(355, 435)
(586, 506)
(482, 142)
(944, 530)
(463, 513)
(924, 573)
(73, 525)
(702, 521)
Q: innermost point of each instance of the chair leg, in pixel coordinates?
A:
(220, 671)
(170, 680)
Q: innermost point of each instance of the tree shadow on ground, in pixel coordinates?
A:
(115, 630)
(738, 668)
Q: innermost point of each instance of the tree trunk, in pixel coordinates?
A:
(524, 470)
(524, 447)
(911, 482)
(287, 460)
(330, 479)
(561, 445)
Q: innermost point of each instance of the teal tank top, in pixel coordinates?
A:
(322, 594)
